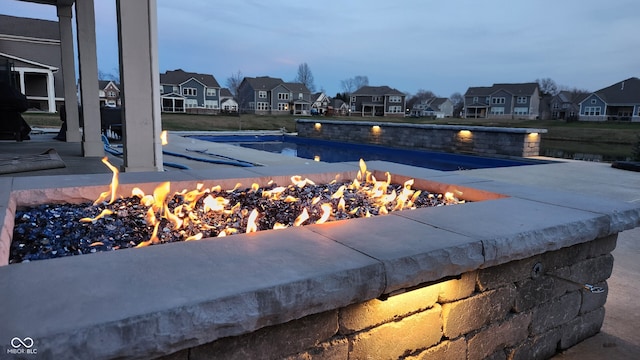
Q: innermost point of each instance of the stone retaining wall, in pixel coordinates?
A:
(519, 310)
(480, 140)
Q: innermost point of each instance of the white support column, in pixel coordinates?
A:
(140, 80)
(88, 61)
(51, 92)
(69, 73)
(22, 85)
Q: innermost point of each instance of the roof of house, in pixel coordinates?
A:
(103, 83)
(179, 76)
(27, 27)
(515, 89)
(224, 92)
(263, 82)
(623, 92)
(376, 90)
(571, 96)
(297, 87)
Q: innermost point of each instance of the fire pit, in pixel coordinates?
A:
(502, 273)
(112, 223)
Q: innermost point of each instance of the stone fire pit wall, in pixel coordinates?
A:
(478, 140)
(500, 276)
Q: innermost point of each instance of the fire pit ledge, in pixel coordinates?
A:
(144, 303)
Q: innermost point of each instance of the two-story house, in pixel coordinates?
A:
(433, 107)
(377, 101)
(182, 91)
(566, 105)
(267, 95)
(620, 101)
(510, 101)
(109, 93)
(30, 48)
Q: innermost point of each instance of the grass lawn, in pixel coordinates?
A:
(611, 139)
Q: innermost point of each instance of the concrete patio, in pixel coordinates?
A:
(618, 338)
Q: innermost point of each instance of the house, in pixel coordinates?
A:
(337, 107)
(377, 101)
(566, 105)
(30, 50)
(433, 107)
(506, 101)
(109, 93)
(182, 91)
(267, 95)
(320, 103)
(620, 101)
(227, 103)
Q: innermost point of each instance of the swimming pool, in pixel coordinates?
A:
(332, 151)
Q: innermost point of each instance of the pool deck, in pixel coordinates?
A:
(618, 339)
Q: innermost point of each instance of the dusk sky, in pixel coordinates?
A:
(442, 46)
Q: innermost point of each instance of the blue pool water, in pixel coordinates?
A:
(332, 151)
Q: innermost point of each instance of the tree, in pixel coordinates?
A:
(233, 82)
(458, 103)
(547, 87)
(109, 76)
(421, 95)
(352, 84)
(305, 77)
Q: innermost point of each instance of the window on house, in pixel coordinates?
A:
(498, 100)
(497, 110)
(395, 108)
(176, 90)
(262, 94)
(475, 99)
(521, 100)
(593, 101)
(111, 94)
(521, 110)
(487, 99)
(263, 105)
(565, 106)
(211, 92)
(191, 103)
(161, 90)
(376, 98)
(592, 110)
(395, 99)
(555, 106)
(190, 91)
(353, 99)
(283, 106)
(300, 96)
(283, 96)
(211, 104)
(252, 105)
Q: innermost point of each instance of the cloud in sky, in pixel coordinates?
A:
(440, 46)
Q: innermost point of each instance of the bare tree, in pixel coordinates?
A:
(458, 103)
(352, 84)
(305, 77)
(110, 76)
(547, 87)
(233, 82)
(421, 95)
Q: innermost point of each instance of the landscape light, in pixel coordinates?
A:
(375, 129)
(317, 126)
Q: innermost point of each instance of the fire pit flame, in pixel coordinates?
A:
(183, 211)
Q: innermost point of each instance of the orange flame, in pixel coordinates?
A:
(112, 187)
(104, 213)
(326, 212)
(251, 221)
(301, 218)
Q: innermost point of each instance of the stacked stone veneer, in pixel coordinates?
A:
(479, 140)
(519, 310)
